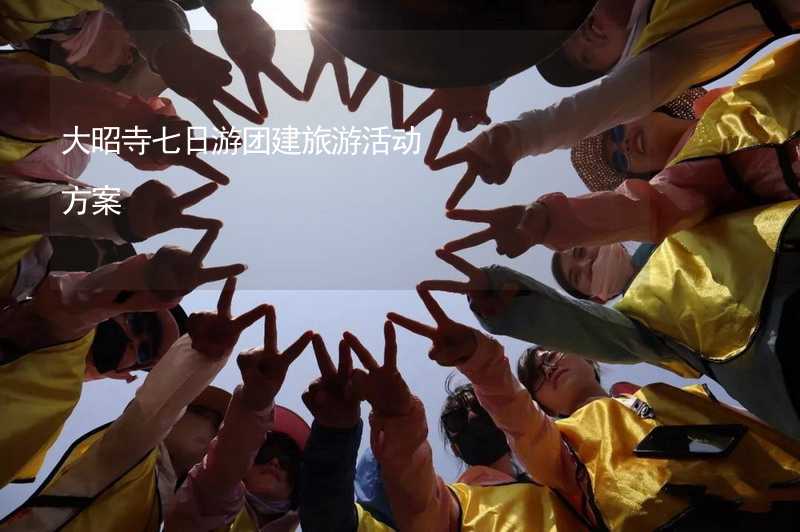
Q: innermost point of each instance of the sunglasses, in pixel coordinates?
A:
(545, 364)
(619, 161)
(111, 341)
(457, 421)
(284, 449)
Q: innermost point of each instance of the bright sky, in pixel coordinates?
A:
(335, 242)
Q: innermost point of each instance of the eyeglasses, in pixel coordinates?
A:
(457, 421)
(544, 366)
(619, 161)
(111, 342)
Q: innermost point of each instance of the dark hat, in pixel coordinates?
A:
(447, 43)
(560, 71)
(188, 5)
(214, 399)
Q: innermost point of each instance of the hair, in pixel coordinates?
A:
(459, 398)
(525, 367)
(563, 282)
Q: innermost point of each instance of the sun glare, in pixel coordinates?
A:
(283, 14)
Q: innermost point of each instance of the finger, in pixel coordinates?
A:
(314, 72)
(345, 362)
(459, 263)
(342, 81)
(204, 169)
(369, 363)
(462, 187)
(226, 297)
(256, 91)
(412, 325)
(209, 275)
(245, 320)
(455, 287)
(433, 306)
(280, 79)
(461, 155)
(390, 346)
(238, 107)
(396, 103)
(193, 197)
(202, 248)
(213, 114)
(425, 109)
(486, 119)
(296, 349)
(468, 122)
(324, 361)
(188, 221)
(366, 82)
(437, 139)
(471, 215)
(470, 241)
(271, 330)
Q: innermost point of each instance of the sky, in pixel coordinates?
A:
(336, 242)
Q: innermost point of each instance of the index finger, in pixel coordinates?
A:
(412, 325)
(425, 109)
(470, 241)
(204, 246)
(251, 79)
(433, 306)
(459, 263)
(280, 79)
(390, 346)
(324, 361)
(471, 215)
(226, 297)
(237, 106)
(250, 317)
(396, 103)
(366, 82)
(342, 81)
(462, 187)
(369, 363)
(461, 155)
(345, 362)
(195, 196)
(439, 135)
(296, 349)
(270, 330)
(199, 166)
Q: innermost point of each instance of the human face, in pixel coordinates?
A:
(269, 480)
(130, 341)
(561, 382)
(600, 40)
(599, 272)
(189, 438)
(644, 146)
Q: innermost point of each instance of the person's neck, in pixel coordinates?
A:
(679, 134)
(591, 393)
(505, 465)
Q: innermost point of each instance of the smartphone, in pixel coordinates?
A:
(690, 441)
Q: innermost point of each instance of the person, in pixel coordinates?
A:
(331, 490)
(631, 492)
(78, 326)
(120, 476)
(660, 47)
(486, 499)
(715, 168)
(247, 479)
(598, 273)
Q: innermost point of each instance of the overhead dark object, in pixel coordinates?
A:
(447, 43)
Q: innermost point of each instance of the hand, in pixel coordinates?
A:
(264, 368)
(250, 42)
(216, 333)
(453, 343)
(200, 76)
(465, 105)
(491, 164)
(515, 229)
(174, 272)
(395, 96)
(157, 156)
(324, 53)
(329, 398)
(382, 386)
(482, 298)
(153, 209)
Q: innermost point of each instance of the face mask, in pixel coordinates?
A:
(481, 442)
(612, 270)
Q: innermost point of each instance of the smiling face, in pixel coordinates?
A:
(646, 144)
(599, 42)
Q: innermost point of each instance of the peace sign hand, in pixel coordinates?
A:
(486, 157)
(250, 42)
(329, 398)
(199, 76)
(382, 386)
(516, 229)
(324, 54)
(153, 208)
(216, 333)
(366, 83)
(465, 105)
(453, 343)
(264, 368)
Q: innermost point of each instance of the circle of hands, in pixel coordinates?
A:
(160, 280)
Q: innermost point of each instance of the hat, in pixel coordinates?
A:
(214, 399)
(588, 157)
(560, 71)
(447, 43)
(291, 424)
